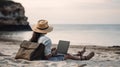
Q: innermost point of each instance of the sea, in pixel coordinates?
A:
(77, 34)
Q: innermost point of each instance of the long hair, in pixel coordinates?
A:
(35, 37)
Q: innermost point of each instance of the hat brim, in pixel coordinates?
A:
(35, 29)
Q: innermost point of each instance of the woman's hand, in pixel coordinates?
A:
(54, 51)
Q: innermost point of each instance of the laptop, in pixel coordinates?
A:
(62, 47)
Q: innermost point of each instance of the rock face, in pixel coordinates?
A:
(12, 16)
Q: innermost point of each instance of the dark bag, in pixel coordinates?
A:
(30, 51)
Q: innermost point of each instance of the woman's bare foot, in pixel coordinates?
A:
(80, 53)
(88, 57)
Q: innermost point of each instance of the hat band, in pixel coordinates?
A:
(43, 28)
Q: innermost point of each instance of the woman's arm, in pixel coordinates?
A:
(53, 53)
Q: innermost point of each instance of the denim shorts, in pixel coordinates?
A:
(57, 58)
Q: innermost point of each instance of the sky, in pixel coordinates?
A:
(72, 11)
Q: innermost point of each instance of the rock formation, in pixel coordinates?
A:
(12, 16)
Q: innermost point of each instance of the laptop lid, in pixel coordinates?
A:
(62, 47)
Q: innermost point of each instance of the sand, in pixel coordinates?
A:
(104, 57)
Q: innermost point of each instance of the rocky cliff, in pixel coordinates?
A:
(12, 16)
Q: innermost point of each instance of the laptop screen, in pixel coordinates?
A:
(63, 46)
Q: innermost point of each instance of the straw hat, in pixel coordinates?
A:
(42, 27)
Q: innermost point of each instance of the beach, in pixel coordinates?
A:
(102, 39)
(105, 56)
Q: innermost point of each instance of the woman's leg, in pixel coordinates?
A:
(88, 57)
(68, 56)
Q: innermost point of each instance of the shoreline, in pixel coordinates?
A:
(95, 47)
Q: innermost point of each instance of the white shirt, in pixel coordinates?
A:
(47, 42)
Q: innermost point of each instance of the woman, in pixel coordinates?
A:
(39, 32)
